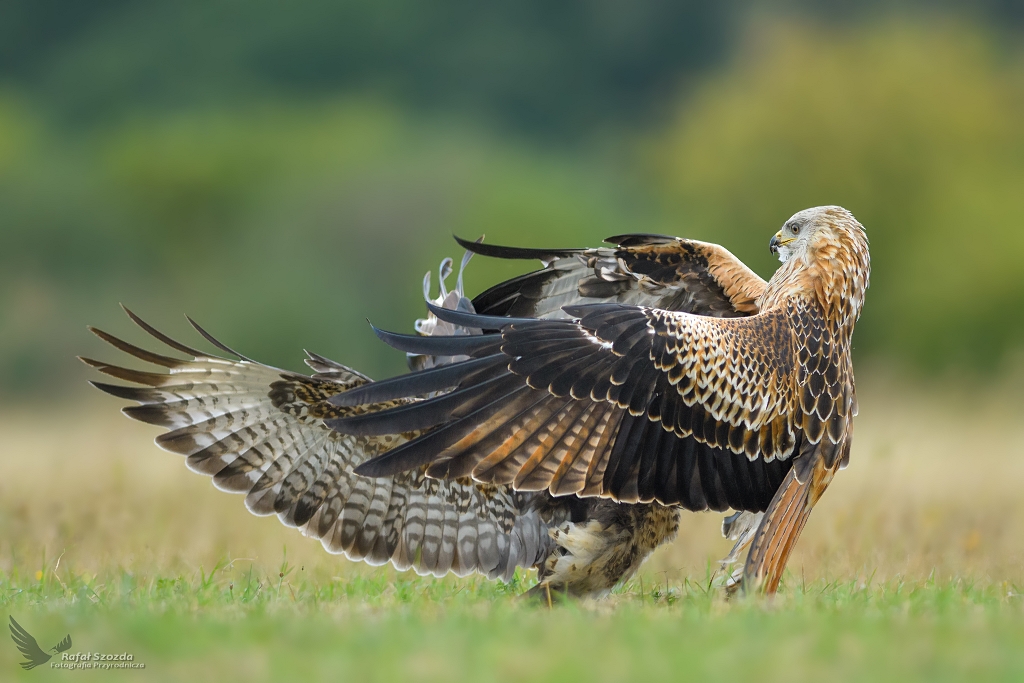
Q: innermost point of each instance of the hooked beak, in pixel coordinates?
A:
(778, 241)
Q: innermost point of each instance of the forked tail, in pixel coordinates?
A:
(777, 536)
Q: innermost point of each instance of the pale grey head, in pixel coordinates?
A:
(799, 232)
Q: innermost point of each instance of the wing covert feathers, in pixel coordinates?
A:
(641, 270)
(617, 401)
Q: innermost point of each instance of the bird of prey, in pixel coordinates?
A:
(27, 645)
(559, 420)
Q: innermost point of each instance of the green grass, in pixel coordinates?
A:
(910, 568)
(237, 621)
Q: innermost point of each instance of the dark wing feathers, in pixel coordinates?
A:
(464, 319)
(641, 270)
(640, 239)
(495, 251)
(416, 384)
(538, 422)
(465, 345)
(415, 417)
(260, 431)
(210, 338)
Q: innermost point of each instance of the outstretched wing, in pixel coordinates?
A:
(628, 402)
(259, 431)
(28, 646)
(64, 645)
(670, 273)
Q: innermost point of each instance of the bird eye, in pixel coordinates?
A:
(794, 228)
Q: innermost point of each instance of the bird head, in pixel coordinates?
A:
(807, 231)
(820, 232)
(824, 250)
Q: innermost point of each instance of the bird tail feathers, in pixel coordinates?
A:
(777, 535)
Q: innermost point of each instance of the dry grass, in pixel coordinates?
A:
(910, 570)
(933, 489)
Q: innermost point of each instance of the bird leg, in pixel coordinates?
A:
(592, 556)
(739, 527)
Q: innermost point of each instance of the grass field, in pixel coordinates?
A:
(912, 568)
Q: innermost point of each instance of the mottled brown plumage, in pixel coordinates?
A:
(559, 420)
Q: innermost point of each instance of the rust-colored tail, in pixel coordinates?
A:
(783, 521)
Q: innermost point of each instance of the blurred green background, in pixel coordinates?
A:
(281, 171)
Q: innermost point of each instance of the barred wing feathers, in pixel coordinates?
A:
(260, 431)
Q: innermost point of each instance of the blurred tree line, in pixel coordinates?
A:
(556, 69)
(283, 171)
